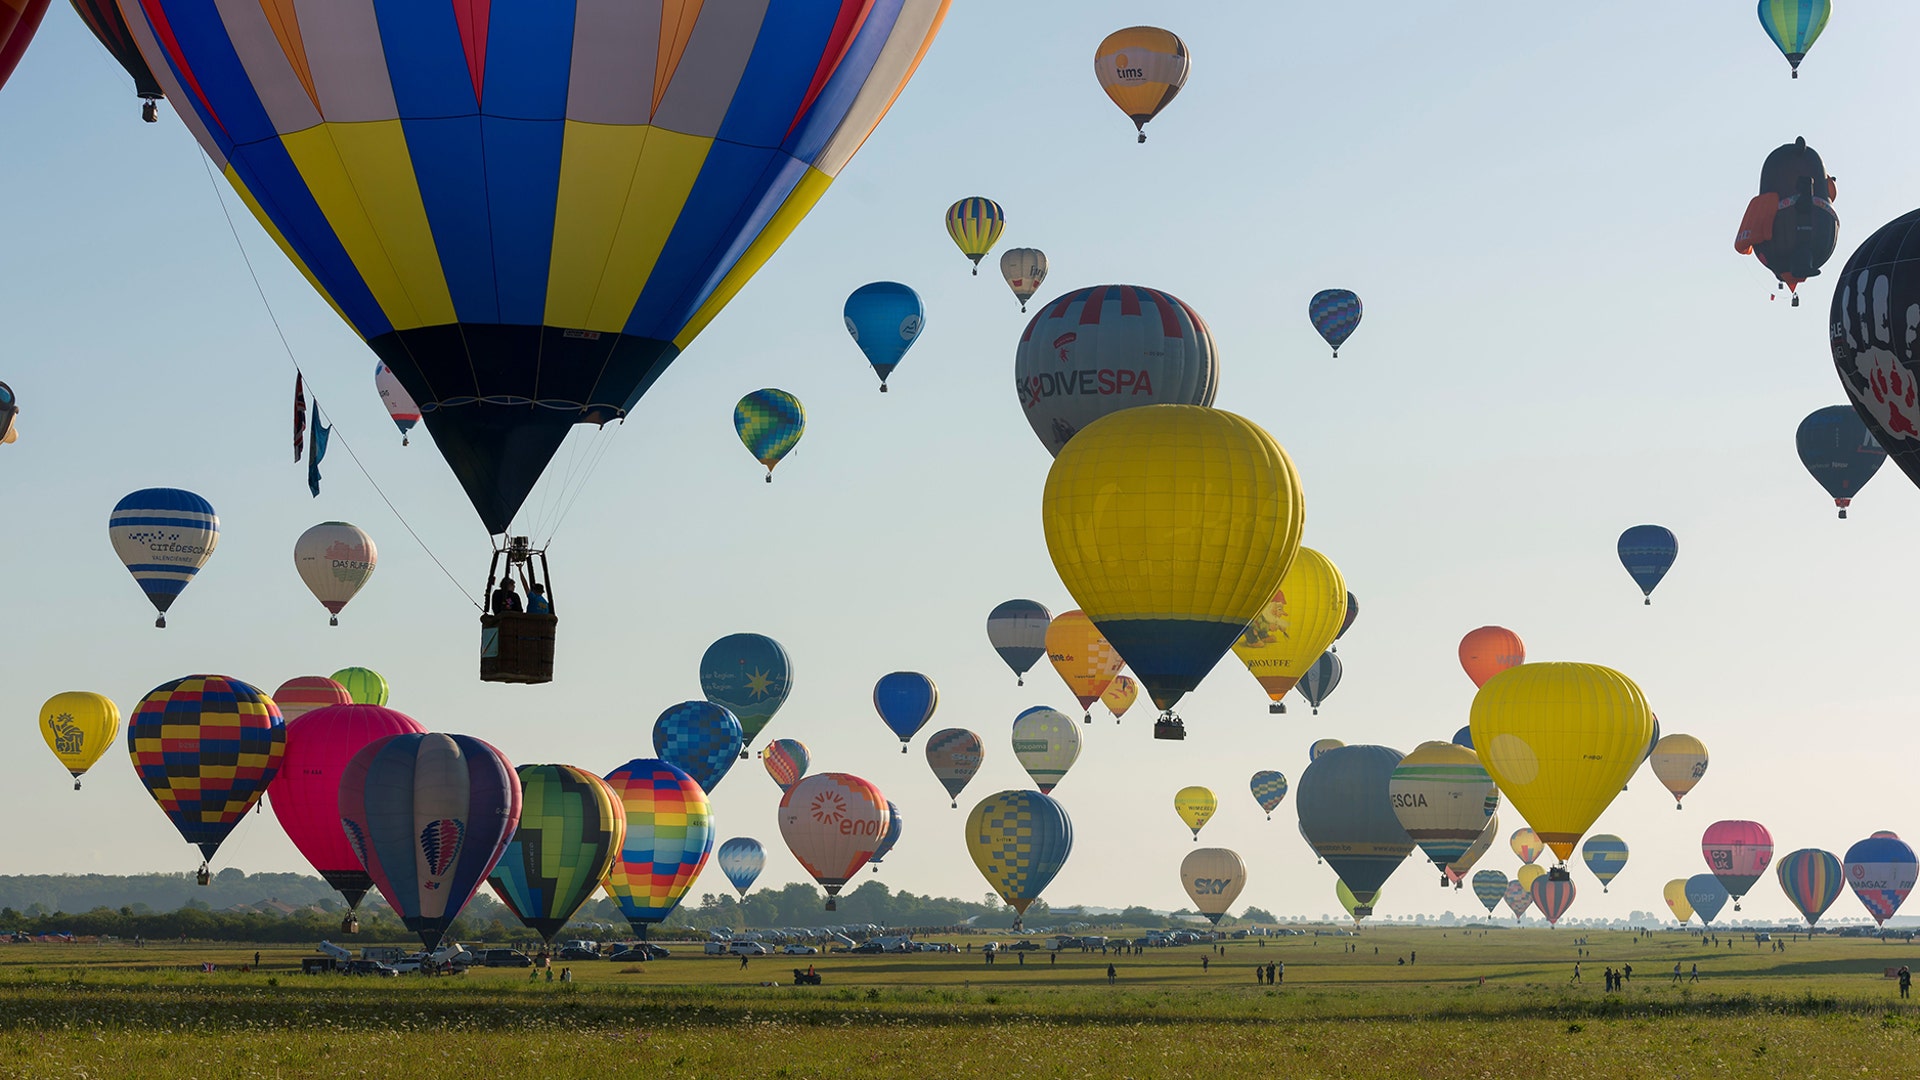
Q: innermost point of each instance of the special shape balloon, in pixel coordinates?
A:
(1195, 806)
(905, 701)
(1605, 855)
(305, 794)
(79, 725)
(1335, 315)
(1046, 742)
(1213, 878)
(1096, 351)
(741, 859)
(1707, 896)
(974, 224)
(1347, 814)
(1024, 269)
(1489, 886)
(1269, 790)
(1678, 762)
(1738, 853)
(751, 676)
(162, 535)
(429, 815)
(206, 747)
(1794, 25)
(885, 319)
(1017, 630)
(1208, 500)
(1490, 650)
(1811, 878)
(699, 738)
(1442, 798)
(769, 423)
(786, 761)
(1648, 552)
(1019, 840)
(1142, 68)
(525, 275)
(401, 408)
(669, 837)
(888, 838)
(1790, 227)
(1872, 351)
(335, 561)
(1294, 628)
(833, 823)
(954, 755)
(302, 694)
(1082, 656)
(1881, 871)
(572, 827)
(1839, 452)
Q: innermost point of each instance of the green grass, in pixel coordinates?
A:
(1819, 1009)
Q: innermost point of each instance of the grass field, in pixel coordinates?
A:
(1820, 1008)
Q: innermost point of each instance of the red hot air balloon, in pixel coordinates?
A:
(306, 793)
(300, 696)
(1490, 650)
(18, 20)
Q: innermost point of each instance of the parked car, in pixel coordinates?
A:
(747, 948)
(371, 967)
(871, 948)
(800, 950)
(1025, 946)
(578, 952)
(505, 958)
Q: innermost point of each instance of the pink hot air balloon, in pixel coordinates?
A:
(1553, 896)
(832, 823)
(306, 792)
(299, 696)
(1738, 853)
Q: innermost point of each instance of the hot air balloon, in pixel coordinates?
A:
(1335, 314)
(1017, 629)
(1457, 869)
(975, 224)
(335, 560)
(954, 755)
(1351, 904)
(163, 535)
(1119, 696)
(905, 701)
(206, 747)
(1019, 840)
(833, 823)
(1292, 630)
(1213, 878)
(18, 20)
(1526, 844)
(1652, 742)
(1675, 893)
(1679, 761)
(1141, 68)
(786, 761)
(1100, 350)
(1047, 743)
(1811, 879)
(1086, 662)
(1321, 746)
(429, 815)
(769, 423)
(1195, 805)
(1269, 790)
(571, 829)
(888, 838)
(1518, 899)
(1490, 650)
(1790, 226)
(1024, 269)
(1648, 552)
(654, 159)
(9, 412)
(1489, 886)
(364, 685)
(401, 408)
(885, 318)
(1464, 737)
(1871, 351)
(741, 859)
(1707, 896)
(1560, 739)
(1794, 25)
(103, 18)
(1442, 798)
(1553, 895)
(1207, 499)
(301, 695)
(1738, 853)
(1353, 612)
(305, 794)
(700, 739)
(79, 726)
(1839, 452)
(1881, 871)
(1529, 874)
(669, 836)
(1321, 680)
(751, 676)
(1347, 814)
(1605, 856)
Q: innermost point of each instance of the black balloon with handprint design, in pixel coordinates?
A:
(1874, 329)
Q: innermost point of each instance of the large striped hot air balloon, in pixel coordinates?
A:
(571, 829)
(1794, 25)
(302, 694)
(1442, 797)
(1553, 895)
(206, 747)
(1812, 879)
(669, 837)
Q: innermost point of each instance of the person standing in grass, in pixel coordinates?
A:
(1906, 980)
(1203, 963)
(1626, 974)
(1111, 973)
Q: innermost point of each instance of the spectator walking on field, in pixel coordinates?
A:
(1676, 971)
(1110, 974)
(1696, 974)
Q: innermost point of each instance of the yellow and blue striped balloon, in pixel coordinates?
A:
(1606, 856)
(770, 423)
(1019, 840)
(1811, 879)
(1794, 25)
(975, 224)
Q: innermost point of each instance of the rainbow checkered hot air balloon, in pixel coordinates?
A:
(769, 423)
(786, 761)
(700, 738)
(669, 836)
(206, 747)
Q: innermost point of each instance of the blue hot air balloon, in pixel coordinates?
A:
(1347, 817)
(700, 739)
(1320, 679)
(1707, 896)
(1464, 737)
(164, 536)
(1335, 313)
(741, 859)
(1839, 452)
(887, 841)
(1269, 790)
(1490, 886)
(750, 675)
(1648, 551)
(1606, 856)
(1881, 871)
(884, 318)
(905, 700)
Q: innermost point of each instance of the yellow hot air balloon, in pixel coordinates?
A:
(1120, 696)
(1561, 740)
(1195, 805)
(79, 726)
(1141, 68)
(975, 224)
(1355, 909)
(1527, 875)
(1172, 525)
(1679, 761)
(1675, 892)
(1295, 626)
(1082, 656)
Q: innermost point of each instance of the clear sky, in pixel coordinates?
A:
(1537, 203)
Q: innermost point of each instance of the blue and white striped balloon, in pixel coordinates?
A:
(164, 536)
(741, 859)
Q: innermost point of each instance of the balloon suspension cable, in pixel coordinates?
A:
(288, 347)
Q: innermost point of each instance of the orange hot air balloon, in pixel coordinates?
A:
(1082, 656)
(1490, 650)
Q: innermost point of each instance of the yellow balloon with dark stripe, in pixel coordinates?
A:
(1142, 68)
(1172, 525)
(975, 224)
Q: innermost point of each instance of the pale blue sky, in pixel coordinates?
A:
(1536, 203)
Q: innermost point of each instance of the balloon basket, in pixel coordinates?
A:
(333, 620)
(517, 648)
(903, 748)
(883, 388)
(76, 785)
(1276, 709)
(1171, 728)
(203, 876)
(160, 623)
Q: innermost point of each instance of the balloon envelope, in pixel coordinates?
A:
(1142, 69)
(1675, 894)
(1321, 746)
(1195, 805)
(888, 838)
(1019, 840)
(1794, 25)
(1442, 798)
(885, 319)
(1518, 899)
(1046, 742)
(1881, 871)
(1490, 650)
(1811, 878)
(1526, 844)
(669, 837)
(1269, 790)
(833, 823)
(741, 859)
(1017, 630)
(1081, 655)
(1737, 852)
(305, 794)
(974, 224)
(1120, 695)
(79, 726)
(163, 536)
(401, 408)
(1335, 315)
(1322, 679)
(1489, 834)
(1605, 855)
(1529, 874)
(769, 423)
(751, 676)
(364, 685)
(104, 19)
(302, 694)
(335, 561)
(1839, 452)
(1707, 896)
(1876, 360)
(1213, 878)
(1489, 886)
(954, 755)
(1293, 629)
(905, 701)
(1648, 552)
(1678, 762)
(18, 21)
(429, 815)
(1351, 904)
(1553, 896)
(571, 829)
(786, 761)
(1347, 813)
(699, 738)
(206, 747)
(1024, 270)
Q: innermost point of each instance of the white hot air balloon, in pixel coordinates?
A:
(833, 823)
(335, 559)
(1024, 269)
(1213, 877)
(1047, 742)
